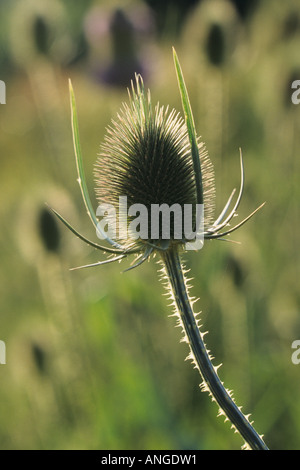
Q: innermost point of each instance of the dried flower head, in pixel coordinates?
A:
(146, 157)
(152, 157)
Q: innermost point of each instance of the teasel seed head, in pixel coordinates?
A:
(152, 157)
(146, 156)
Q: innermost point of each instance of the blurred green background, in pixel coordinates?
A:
(93, 360)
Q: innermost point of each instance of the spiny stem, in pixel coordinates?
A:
(175, 275)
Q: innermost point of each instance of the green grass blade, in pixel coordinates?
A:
(189, 119)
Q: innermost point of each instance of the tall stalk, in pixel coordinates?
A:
(211, 381)
(154, 158)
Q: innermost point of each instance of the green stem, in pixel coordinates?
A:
(200, 354)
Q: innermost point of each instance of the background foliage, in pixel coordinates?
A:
(93, 361)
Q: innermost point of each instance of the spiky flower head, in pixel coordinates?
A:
(152, 157)
(146, 156)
